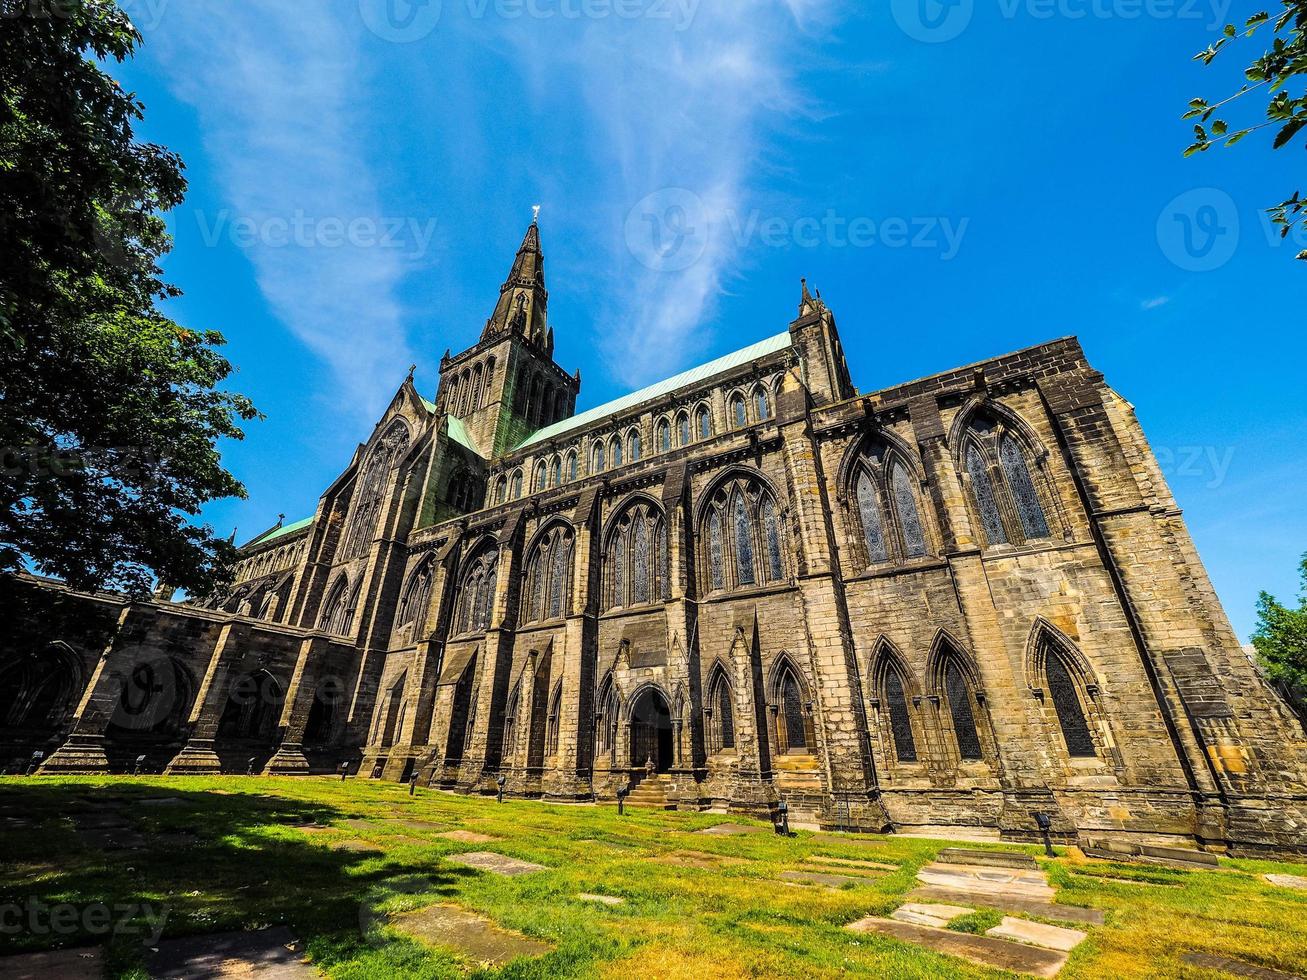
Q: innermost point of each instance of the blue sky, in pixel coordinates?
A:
(959, 180)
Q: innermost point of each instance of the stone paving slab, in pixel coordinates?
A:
(927, 914)
(1038, 934)
(985, 950)
(60, 964)
(474, 936)
(602, 899)
(963, 835)
(1009, 903)
(993, 859)
(496, 864)
(995, 881)
(733, 830)
(1287, 881)
(268, 954)
(356, 846)
(821, 878)
(1238, 968)
(697, 859)
(467, 836)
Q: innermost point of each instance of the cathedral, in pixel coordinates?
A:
(964, 601)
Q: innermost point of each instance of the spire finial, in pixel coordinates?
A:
(412, 368)
(535, 213)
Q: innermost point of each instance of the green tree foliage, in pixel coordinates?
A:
(1281, 643)
(1273, 73)
(110, 414)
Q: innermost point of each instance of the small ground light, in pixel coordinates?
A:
(783, 818)
(500, 783)
(249, 769)
(344, 771)
(621, 799)
(1045, 822)
(412, 784)
(140, 761)
(35, 763)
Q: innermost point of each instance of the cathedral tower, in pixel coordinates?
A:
(508, 386)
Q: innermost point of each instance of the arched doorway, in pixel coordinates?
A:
(651, 731)
(38, 690)
(253, 708)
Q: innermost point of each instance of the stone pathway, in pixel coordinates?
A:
(733, 830)
(1000, 954)
(269, 954)
(495, 864)
(1038, 934)
(473, 936)
(60, 964)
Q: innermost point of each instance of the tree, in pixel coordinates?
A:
(110, 414)
(1273, 72)
(1281, 643)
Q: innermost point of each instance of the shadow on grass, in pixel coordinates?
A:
(172, 862)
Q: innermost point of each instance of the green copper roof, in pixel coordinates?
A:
(280, 532)
(701, 373)
(458, 432)
(430, 405)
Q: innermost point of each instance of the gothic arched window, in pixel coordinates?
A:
(510, 723)
(555, 472)
(365, 507)
(793, 727)
(635, 569)
(477, 594)
(338, 610)
(683, 429)
(663, 436)
(885, 492)
(960, 709)
(762, 403)
(515, 485)
(1066, 703)
(551, 727)
(605, 719)
(1005, 494)
(501, 490)
(615, 451)
(739, 413)
(633, 446)
(571, 465)
(744, 536)
(538, 481)
(597, 457)
(721, 705)
(549, 576)
(703, 422)
(905, 747)
(417, 593)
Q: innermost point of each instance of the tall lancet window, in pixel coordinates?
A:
(885, 492)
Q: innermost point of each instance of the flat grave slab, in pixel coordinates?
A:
(467, 836)
(993, 859)
(963, 835)
(1009, 903)
(1287, 881)
(850, 863)
(473, 936)
(1038, 934)
(733, 830)
(497, 864)
(991, 881)
(269, 954)
(356, 846)
(601, 899)
(985, 950)
(1238, 968)
(821, 878)
(696, 859)
(59, 964)
(927, 914)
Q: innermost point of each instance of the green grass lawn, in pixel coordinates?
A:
(230, 856)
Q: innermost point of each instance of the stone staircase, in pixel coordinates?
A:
(650, 791)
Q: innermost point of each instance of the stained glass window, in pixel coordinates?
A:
(571, 466)
(725, 715)
(796, 735)
(558, 578)
(555, 472)
(763, 403)
(715, 549)
(664, 572)
(905, 503)
(964, 721)
(516, 485)
(986, 503)
(619, 570)
(510, 726)
(704, 423)
(744, 566)
(640, 561)
(539, 572)
(905, 748)
(540, 477)
(738, 412)
(1023, 488)
(551, 736)
(615, 451)
(1066, 702)
(633, 444)
(664, 436)
(597, 458)
(873, 529)
(683, 429)
(772, 535)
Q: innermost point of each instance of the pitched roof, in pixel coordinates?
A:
(458, 432)
(701, 373)
(279, 532)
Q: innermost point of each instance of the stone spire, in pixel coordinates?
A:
(807, 304)
(523, 300)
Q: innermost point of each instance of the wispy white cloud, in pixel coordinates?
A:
(275, 84)
(682, 112)
(1154, 303)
